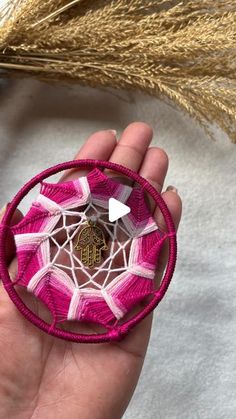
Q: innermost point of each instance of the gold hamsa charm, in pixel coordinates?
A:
(91, 241)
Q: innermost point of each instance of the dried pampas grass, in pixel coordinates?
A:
(183, 50)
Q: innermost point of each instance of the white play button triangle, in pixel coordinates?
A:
(116, 209)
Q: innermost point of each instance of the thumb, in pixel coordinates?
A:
(10, 244)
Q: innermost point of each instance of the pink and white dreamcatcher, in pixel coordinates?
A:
(80, 265)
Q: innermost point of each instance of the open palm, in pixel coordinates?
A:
(45, 377)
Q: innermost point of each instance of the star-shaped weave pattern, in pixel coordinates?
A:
(51, 268)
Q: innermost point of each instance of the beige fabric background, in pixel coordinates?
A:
(189, 371)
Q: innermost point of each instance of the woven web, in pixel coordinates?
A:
(98, 276)
(51, 267)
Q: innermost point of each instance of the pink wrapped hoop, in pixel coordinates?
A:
(119, 331)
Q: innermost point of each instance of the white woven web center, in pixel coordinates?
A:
(117, 247)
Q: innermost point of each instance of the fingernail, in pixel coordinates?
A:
(172, 189)
(2, 210)
(113, 131)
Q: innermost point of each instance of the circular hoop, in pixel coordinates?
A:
(119, 331)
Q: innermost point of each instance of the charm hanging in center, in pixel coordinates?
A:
(91, 241)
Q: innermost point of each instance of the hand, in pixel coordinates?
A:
(45, 377)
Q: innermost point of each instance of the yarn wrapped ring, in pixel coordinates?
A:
(119, 330)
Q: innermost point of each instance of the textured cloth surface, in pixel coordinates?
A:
(189, 370)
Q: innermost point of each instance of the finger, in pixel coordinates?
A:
(154, 169)
(174, 204)
(98, 146)
(132, 146)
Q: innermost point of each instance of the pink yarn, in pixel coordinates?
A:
(55, 287)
